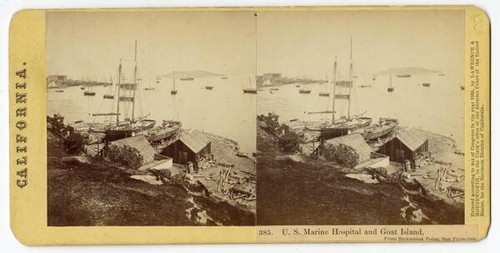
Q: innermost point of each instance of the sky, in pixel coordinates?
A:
(298, 44)
(306, 43)
(90, 44)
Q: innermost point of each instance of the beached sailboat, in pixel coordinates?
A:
(128, 126)
(347, 124)
(384, 127)
(166, 130)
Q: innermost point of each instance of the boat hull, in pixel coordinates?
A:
(125, 131)
(163, 134)
(250, 91)
(387, 128)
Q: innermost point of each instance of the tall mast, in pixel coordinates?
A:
(390, 79)
(118, 98)
(334, 84)
(174, 79)
(135, 82)
(255, 37)
(350, 87)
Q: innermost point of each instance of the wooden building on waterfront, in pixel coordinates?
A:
(407, 145)
(191, 146)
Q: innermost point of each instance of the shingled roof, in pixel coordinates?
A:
(412, 138)
(194, 140)
(140, 143)
(356, 142)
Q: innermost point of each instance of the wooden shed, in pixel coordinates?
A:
(140, 143)
(150, 160)
(189, 147)
(407, 145)
(354, 141)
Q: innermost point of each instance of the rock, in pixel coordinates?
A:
(366, 178)
(148, 179)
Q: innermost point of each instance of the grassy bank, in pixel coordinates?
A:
(101, 194)
(314, 193)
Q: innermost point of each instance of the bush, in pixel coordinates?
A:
(341, 154)
(74, 142)
(271, 119)
(289, 142)
(56, 125)
(125, 155)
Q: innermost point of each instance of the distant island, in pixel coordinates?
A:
(408, 71)
(276, 79)
(62, 81)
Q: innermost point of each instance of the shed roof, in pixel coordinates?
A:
(412, 138)
(153, 164)
(355, 141)
(140, 143)
(194, 140)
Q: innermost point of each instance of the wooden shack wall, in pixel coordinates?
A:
(391, 149)
(179, 152)
(178, 146)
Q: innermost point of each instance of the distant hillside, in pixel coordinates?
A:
(409, 71)
(190, 74)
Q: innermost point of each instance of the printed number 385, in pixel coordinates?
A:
(264, 232)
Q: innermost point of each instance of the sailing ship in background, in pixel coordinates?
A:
(149, 87)
(89, 90)
(209, 87)
(110, 94)
(173, 92)
(391, 88)
(304, 90)
(250, 89)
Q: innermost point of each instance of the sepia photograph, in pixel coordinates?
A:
(151, 118)
(360, 117)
